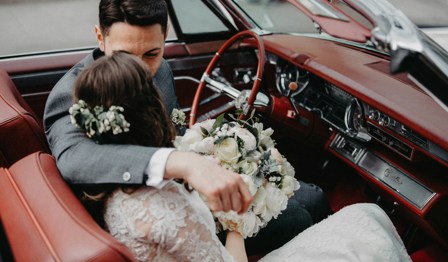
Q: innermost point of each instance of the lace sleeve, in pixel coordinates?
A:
(169, 224)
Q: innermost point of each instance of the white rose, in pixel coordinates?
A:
(246, 224)
(191, 137)
(275, 155)
(250, 142)
(258, 126)
(205, 146)
(188, 141)
(207, 124)
(289, 185)
(227, 150)
(248, 168)
(265, 138)
(249, 225)
(250, 184)
(286, 169)
(259, 202)
(276, 202)
(253, 156)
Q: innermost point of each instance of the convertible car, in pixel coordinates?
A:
(356, 93)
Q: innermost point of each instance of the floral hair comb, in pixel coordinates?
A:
(97, 122)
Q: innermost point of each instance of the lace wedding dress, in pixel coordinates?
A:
(172, 224)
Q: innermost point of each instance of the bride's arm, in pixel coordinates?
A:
(155, 223)
(235, 246)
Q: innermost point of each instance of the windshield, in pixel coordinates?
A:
(277, 16)
(280, 16)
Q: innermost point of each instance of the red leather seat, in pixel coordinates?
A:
(43, 219)
(20, 131)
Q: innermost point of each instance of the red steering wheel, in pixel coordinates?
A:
(207, 80)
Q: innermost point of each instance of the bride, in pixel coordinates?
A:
(173, 223)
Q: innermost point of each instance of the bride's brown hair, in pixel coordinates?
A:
(124, 80)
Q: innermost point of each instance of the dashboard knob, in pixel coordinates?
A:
(374, 115)
(384, 121)
(293, 86)
(403, 130)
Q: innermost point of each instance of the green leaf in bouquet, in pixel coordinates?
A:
(218, 122)
(265, 155)
(253, 131)
(240, 143)
(204, 132)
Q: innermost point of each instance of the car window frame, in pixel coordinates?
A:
(200, 37)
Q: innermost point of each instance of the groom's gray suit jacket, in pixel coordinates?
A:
(79, 159)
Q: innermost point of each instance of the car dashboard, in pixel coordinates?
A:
(350, 116)
(399, 154)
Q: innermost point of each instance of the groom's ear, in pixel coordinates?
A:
(100, 38)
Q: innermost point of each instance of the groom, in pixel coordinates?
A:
(140, 28)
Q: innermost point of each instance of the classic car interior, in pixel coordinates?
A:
(340, 117)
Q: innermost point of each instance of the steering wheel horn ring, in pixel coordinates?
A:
(205, 79)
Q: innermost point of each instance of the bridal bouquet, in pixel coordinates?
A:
(247, 149)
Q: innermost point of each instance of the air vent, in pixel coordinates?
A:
(390, 141)
(414, 137)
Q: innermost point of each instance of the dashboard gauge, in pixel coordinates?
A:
(357, 120)
(354, 119)
(286, 74)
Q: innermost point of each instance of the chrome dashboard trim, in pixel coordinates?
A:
(391, 176)
(383, 171)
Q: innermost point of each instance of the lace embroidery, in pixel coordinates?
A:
(169, 224)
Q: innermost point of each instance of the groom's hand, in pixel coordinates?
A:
(224, 189)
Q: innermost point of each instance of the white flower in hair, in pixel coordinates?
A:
(178, 117)
(98, 122)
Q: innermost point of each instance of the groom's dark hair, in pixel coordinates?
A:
(133, 12)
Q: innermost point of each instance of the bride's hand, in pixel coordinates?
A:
(235, 246)
(224, 189)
